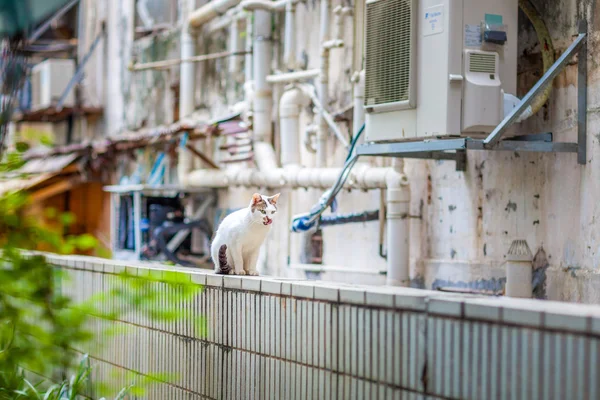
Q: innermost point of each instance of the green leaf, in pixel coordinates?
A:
(86, 242)
(67, 218)
(47, 140)
(22, 147)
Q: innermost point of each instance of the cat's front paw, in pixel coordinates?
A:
(252, 273)
(242, 272)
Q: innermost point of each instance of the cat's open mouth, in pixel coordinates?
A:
(267, 221)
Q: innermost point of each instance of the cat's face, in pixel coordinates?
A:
(264, 208)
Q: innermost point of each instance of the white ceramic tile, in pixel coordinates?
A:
(270, 286)
(109, 268)
(232, 282)
(380, 299)
(522, 316)
(445, 306)
(214, 280)
(286, 289)
(251, 283)
(567, 322)
(482, 311)
(303, 290)
(352, 296)
(327, 293)
(133, 271)
(198, 278)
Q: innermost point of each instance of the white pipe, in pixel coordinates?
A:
(340, 14)
(511, 101)
(248, 60)
(519, 270)
(249, 98)
(358, 118)
(324, 21)
(209, 11)
(262, 64)
(362, 177)
(235, 45)
(219, 24)
(178, 61)
(290, 106)
(398, 227)
(142, 10)
(186, 88)
(323, 85)
(264, 156)
(186, 78)
(296, 76)
(255, 5)
(289, 39)
(234, 14)
(309, 134)
(322, 122)
(323, 114)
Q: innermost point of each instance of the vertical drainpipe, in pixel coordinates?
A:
(289, 116)
(519, 270)
(358, 118)
(262, 51)
(248, 60)
(289, 38)
(235, 45)
(398, 225)
(186, 77)
(323, 84)
(248, 69)
(186, 86)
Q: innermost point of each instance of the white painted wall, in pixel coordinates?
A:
(468, 218)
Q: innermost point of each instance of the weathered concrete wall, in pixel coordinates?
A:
(467, 219)
(546, 199)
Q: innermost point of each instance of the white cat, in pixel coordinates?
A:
(239, 237)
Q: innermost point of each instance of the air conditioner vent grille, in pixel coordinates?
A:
(388, 51)
(482, 62)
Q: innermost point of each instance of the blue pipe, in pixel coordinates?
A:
(307, 221)
(341, 219)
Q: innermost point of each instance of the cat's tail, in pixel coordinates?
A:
(223, 267)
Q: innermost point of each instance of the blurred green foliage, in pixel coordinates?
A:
(40, 327)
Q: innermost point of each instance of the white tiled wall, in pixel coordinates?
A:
(282, 339)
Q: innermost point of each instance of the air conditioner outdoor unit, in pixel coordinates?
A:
(438, 68)
(49, 79)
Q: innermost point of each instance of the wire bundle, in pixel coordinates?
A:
(305, 222)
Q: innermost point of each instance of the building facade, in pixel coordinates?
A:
(462, 223)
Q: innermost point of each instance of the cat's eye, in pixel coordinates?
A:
(263, 211)
(272, 212)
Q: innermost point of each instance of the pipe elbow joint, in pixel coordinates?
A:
(396, 180)
(291, 102)
(398, 187)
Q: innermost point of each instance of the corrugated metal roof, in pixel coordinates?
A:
(13, 185)
(47, 165)
(35, 172)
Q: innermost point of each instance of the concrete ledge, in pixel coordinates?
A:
(523, 312)
(351, 333)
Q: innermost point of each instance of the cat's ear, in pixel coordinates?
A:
(273, 199)
(256, 198)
